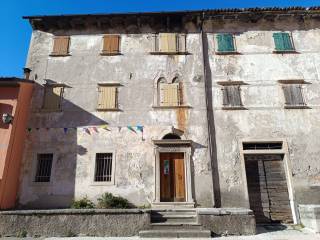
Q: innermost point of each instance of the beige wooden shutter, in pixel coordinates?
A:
(182, 41)
(52, 98)
(61, 46)
(168, 42)
(111, 44)
(107, 97)
(170, 94)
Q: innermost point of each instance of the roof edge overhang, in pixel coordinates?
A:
(201, 11)
(13, 81)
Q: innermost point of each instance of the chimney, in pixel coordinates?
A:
(26, 72)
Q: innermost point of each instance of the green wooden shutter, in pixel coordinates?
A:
(225, 42)
(282, 41)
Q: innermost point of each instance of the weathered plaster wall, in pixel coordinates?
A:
(262, 96)
(137, 71)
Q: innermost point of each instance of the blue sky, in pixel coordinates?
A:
(16, 32)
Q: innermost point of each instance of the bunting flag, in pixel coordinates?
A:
(87, 130)
(131, 129)
(95, 129)
(91, 129)
(105, 127)
(140, 128)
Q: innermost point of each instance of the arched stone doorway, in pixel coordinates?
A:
(172, 172)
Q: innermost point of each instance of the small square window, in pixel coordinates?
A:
(225, 43)
(52, 98)
(232, 96)
(111, 44)
(170, 43)
(108, 98)
(293, 95)
(61, 46)
(283, 42)
(44, 167)
(103, 167)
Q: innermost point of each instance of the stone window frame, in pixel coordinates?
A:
(287, 167)
(92, 167)
(161, 78)
(169, 146)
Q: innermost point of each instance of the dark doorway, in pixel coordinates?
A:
(267, 187)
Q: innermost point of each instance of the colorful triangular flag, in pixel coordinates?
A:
(131, 129)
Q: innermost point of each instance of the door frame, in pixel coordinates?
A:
(176, 146)
(286, 164)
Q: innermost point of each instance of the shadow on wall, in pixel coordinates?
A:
(57, 133)
(211, 124)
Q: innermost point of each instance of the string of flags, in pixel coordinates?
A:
(93, 129)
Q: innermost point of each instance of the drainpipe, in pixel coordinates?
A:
(210, 118)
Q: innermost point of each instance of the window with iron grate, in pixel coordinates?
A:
(44, 167)
(103, 168)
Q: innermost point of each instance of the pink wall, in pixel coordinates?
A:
(14, 100)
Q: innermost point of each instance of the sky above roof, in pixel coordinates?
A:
(16, 32)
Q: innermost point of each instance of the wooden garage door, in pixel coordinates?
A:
(267, 187)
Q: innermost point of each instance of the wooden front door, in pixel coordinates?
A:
(267, 187)
(172, 177)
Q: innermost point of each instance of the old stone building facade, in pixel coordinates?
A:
(193, 109)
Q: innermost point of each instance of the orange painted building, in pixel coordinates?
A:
(15, 99)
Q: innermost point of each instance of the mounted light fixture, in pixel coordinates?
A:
(7, 118)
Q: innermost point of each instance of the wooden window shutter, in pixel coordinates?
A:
(61, 46)
(234, 96)
(168, 42)
(170, 94)
(107, 97)
(52, 98)
(225, 97)
(282, 41)
(182, 42)
(111, 44)
(293, 95)
(225, 42)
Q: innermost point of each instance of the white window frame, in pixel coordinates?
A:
(93, 169)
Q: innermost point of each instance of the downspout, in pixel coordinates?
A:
(216, 195)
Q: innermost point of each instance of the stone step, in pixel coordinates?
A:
(173, 218)
(168, 213)
(175, 226)
(184, 233)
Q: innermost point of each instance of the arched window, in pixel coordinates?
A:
(171, 136)
(169, 94)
